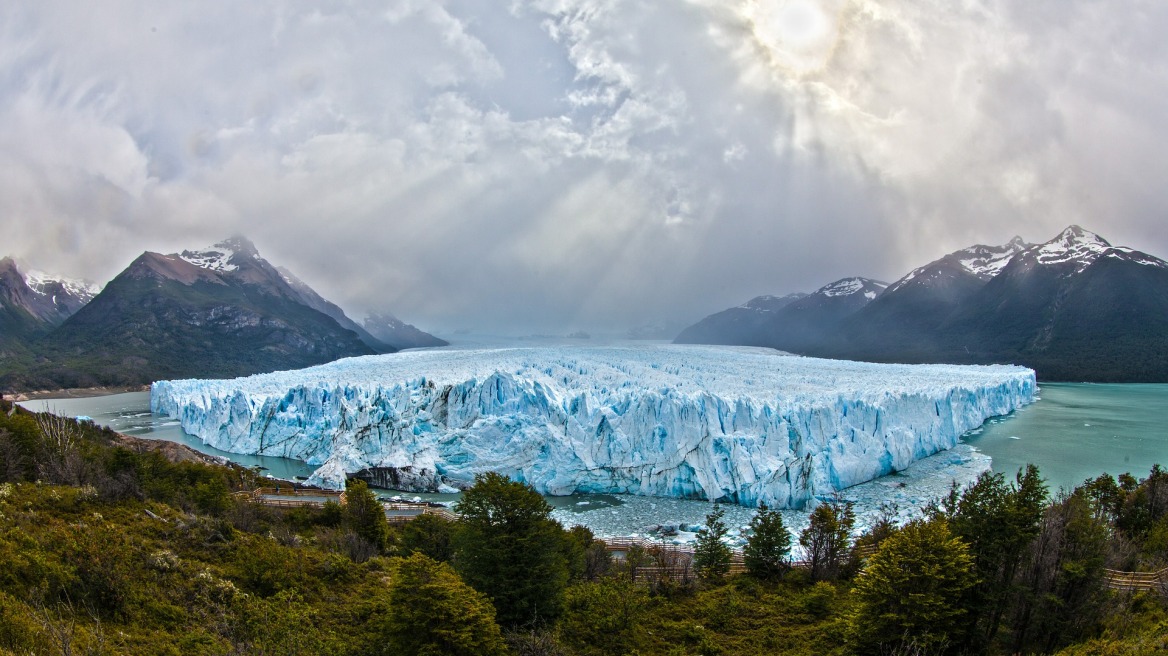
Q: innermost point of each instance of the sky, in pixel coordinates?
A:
(551, 165)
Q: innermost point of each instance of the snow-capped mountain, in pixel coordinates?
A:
(907, 315)
(980, 261)
(791, 323)
(866, 287)
(68, 292)
(34, 303)
(1073, 308)
(220, 311)
(816, 318)
(1076, 249)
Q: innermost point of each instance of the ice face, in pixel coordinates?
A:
(742, 425)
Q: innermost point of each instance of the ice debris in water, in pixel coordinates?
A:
(741, 425)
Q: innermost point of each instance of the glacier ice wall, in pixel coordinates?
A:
(741, 425)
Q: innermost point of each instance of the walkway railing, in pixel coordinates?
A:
(1137, 581)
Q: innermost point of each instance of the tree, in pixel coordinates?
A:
(910, 593)
(768, 548)
(508, 547)
(1063, 591)
(711, 555)
(365, 515)
(433, 613)
(827, 538)
(998, 522)
(428, 534)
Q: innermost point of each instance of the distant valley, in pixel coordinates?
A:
(1074, 308)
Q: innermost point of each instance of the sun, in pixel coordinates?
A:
(797, 35)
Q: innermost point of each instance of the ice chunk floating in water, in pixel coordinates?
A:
(742, 425)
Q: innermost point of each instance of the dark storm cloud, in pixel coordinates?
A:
(558, 164)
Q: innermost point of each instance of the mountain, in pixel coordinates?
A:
(1072, 308)
(902, 323)
(33, 304)
(400, 335)
(816, 318)
(309, 297)
(218, 312)
(795, 322)
(740, 325)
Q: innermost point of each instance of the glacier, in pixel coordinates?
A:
(734, 424)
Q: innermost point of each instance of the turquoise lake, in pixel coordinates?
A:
(1077, 431)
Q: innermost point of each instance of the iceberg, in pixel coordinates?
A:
(733, 424)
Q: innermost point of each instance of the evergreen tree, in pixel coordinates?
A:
(428, 534)
(768, 548)
(365, 515)
(998, 522)
(1062, 596)
(508, 547)
(433, 613)
(909, 596)
(827, 538)
(711, 555)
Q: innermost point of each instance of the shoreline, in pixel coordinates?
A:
(73, 393)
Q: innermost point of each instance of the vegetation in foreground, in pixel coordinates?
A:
(114, 550)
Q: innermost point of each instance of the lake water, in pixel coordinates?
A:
(1074, 432)
(1078, 431)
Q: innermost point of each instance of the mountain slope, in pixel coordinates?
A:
(816, 319)
(902, 323)
(739, 325)
(390, 330)
(309, 297)
(219, 312)
(33, 304)
(1073, 308)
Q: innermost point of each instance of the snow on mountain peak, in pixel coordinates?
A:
(212, 259)
(38, 281)
(220, 257)
(1073, 244)
(849, 286)
(985, 262)
(1132, 255)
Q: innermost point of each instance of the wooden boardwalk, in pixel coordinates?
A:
(288, 497)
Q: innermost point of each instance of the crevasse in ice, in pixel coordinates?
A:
(742, 425)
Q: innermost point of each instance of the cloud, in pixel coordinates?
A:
(555, 164)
